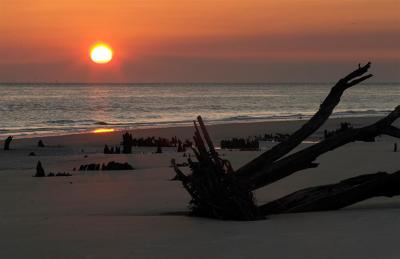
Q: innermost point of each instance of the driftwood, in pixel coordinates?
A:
(115, 166)
(41, 173)
(336, 196)
(127, 143)
(218, 191)
(110, 166)
(251, 142)
(112, 150)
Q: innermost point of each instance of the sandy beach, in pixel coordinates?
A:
(142, 214)
(227, 129)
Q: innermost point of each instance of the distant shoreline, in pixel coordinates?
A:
(186, 83)
(161, 125)
(227, 129)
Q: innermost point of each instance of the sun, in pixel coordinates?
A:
(101, 53)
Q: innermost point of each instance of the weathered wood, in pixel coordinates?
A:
(218, 191)
(392, 131)
(207, 138)
(199, 143)
(304, 159)
(336, 196)
(319, 118)
(127, 143)
(214, 194)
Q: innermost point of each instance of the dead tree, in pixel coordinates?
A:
(337, 196)
(218, 191)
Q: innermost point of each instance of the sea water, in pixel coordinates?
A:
(28, 110)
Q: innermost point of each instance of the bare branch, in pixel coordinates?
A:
(392, 131)
(207, 138)
(326, 109)
(359, 80)
(303, 159)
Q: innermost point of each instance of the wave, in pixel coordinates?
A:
(101, 123)
(76, 122)
(361, 112)
(239, 117)
(62, 127)
(297, 116)
(60, 121)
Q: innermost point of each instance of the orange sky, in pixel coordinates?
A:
(198, 40)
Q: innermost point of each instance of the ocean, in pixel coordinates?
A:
(28, 110)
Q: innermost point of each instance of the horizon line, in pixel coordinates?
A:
(170, 83)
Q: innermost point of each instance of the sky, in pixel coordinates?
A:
(198, 40)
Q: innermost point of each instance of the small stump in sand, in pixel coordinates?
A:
(110, 166)
(40, 143)
(39, 170)
(7, 143)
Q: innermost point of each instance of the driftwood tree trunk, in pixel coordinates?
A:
(220, 192)
(336, 196)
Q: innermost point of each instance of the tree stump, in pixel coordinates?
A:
(7, 143)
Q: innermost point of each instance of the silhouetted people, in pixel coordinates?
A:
(395, 147)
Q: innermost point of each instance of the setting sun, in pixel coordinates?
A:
(101, 53)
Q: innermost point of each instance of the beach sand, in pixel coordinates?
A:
(141, 214)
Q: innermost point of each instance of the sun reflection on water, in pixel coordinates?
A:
(103, 130)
